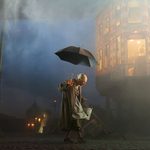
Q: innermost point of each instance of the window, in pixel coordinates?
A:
(136, 48)
(134, 12)
(131, 70)
(118, 23)
(118, 50)
(105, 58)
(113, 47)
(101, 60)
(106, 25)
(137, 57)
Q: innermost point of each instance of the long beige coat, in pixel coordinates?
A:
(70, 93)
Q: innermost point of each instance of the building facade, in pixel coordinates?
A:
(1, 47)
(123, 51)
(2, 20)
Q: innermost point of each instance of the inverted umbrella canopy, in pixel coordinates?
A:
(77, 55)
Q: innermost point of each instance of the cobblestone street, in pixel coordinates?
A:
(56, 143)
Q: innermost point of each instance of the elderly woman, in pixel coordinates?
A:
(72, 107)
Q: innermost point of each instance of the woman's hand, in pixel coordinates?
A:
(69, 83)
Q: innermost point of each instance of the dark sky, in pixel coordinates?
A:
(34, 30)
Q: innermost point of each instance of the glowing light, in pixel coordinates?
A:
(138, 42)
(131, 40)
(118, 8)
(32, 124)
(131, 71)
(36, 118)
(118, 23)
(39, 119)
(41, 130)
(28, 124)
(135, 31)
(44, 115)
(136, 48)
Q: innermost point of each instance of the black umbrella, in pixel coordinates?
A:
(76, 55)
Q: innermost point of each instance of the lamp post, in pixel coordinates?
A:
(55, 106)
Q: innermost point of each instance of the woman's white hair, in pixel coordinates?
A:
(82, 76)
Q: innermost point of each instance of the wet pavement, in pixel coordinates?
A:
(56, 143)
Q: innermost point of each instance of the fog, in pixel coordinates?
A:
(33, 31)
